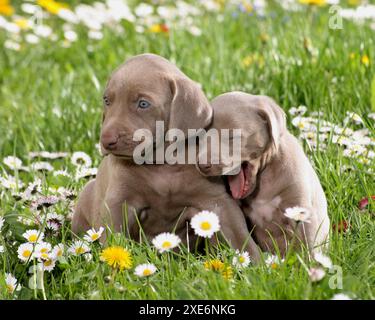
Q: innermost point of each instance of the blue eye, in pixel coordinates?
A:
(143, 104)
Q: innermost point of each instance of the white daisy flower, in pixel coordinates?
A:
(25, 252)
(33, 236)
(83, 172)
(304, 124)
(93, 235)
(80, 158)
(48, 264)
(273, 261)
(9, 182)
(316, 274)
(78, 247)
(41, 166)
(43, 250)
(1, 223)
(47, 155)
(324, 260)
(88, 257)
(205, 223)
(1, 249)
(11, 283)
(298, 214)
(12, 162)
(353, 117)
(58, 250)
(341, 296)
(145, 270)
(301, 110)
(241, 259)
(63, 173)
(70, 35)
(371, 116)
(143, 10)
(166, 241)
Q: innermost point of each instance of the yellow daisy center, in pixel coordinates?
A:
(33, 238)
(47, 263)
(301, 125)
(94, 236)
(59, 253)
(206, 225)
(146, 272)
(274, 266)
(26, 253)
(166, 244)
(241, 259)
(80, 250)
(10, 288)
(44, 255)
(44, 250)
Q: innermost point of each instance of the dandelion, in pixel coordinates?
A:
(33, 236)
(214, 264)
(365, 60)
(6, 8)
(314, 2)
(80, 158)
(273, 261)
(78, 248)
(205, 224)
(117, 257)
(12, 162)
(316, 274)
(145, 270)
(93, 235)
(25, 252)
(11, 283)
(241, 259)
(166, 241)
(158, 28)
(52, 6)
(324, 260)
(298, 214)
(227, 273)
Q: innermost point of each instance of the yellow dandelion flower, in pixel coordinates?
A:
(117, 257)
(227, 273)
(52, 6)
(365, 60)
(5, 8)
(313, 2)
(214, 265)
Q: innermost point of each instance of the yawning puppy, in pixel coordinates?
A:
(273, 173)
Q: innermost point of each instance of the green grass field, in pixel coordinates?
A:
(51, 100)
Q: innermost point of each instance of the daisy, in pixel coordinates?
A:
(324, 260)
(341, 296)
(353, 117)
(145, 270)
(84, 172)
(117, 257)
(93, 235)
(11, 283)
(43, 250)
(25, 252)
(81, 159)
(301, 110)
(166, 241)
(62, 173)
(9, 182)
(241, 260)
(41, 166)
(12, 162)
(1, 249)
(205, 224)
(48, 264)
(273, 261)
(78, 247)
(298, 214)
(58, 250)
(44, 201)
(316, 274)
(33, 236)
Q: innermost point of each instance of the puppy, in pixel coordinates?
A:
(159, 197)
(274, 173)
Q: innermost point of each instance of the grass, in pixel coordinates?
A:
(43, 80)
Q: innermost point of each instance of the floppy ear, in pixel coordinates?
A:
(190, 108)
(275, 118)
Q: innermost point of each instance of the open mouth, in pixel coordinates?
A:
(239, 184)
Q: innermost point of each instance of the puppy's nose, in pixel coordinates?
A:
(109, 141)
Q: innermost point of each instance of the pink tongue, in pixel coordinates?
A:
(237, 184)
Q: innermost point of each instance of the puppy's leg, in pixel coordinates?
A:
(234, 228)
(83, 209)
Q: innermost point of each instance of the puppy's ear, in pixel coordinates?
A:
(275, 118)
(190, 108)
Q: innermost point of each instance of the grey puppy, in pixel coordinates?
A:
(162, 197)
(274, 173)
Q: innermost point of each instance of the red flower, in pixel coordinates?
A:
(364, 202)
(164, 28)
(341, 226)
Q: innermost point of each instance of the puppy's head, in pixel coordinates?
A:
(261, 123)
(145, 89)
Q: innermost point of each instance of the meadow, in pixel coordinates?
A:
(54, 63)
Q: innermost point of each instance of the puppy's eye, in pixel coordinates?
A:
(143, 104)
(106, 101)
